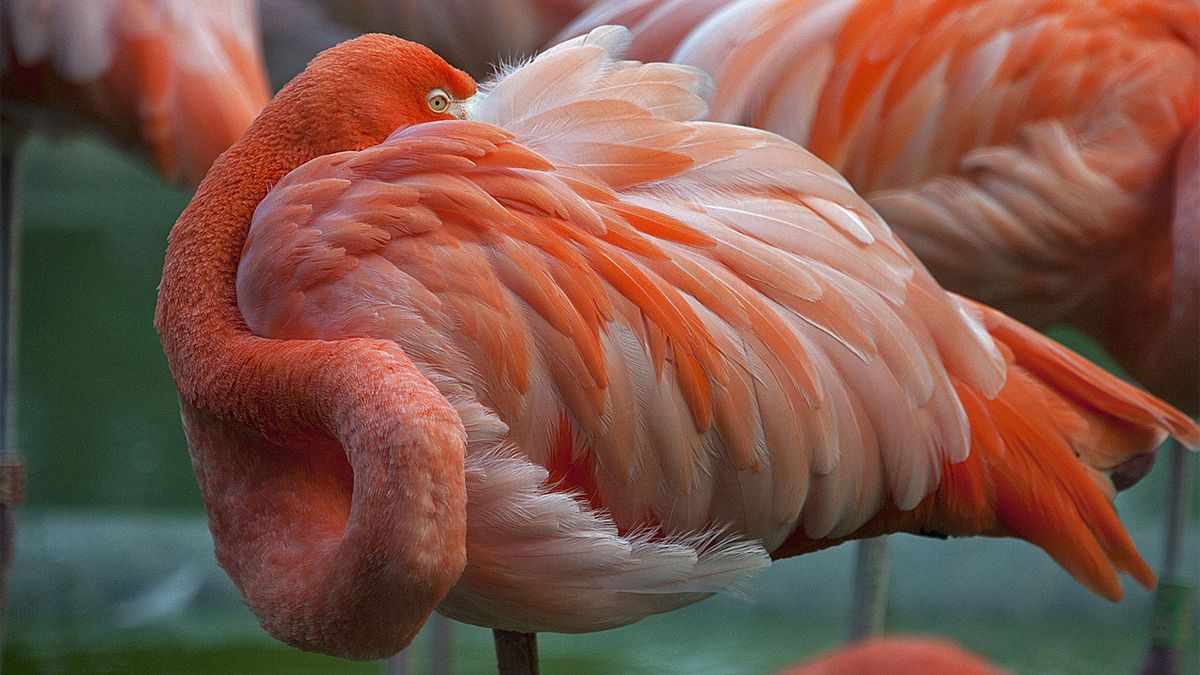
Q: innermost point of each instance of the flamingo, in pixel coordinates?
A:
(897, 654)
(171, 80)
(553, 355)
(1039, 156)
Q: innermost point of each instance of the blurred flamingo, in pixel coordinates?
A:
(893, 655)
(554, 356)
(1037, 155)
(174, 81)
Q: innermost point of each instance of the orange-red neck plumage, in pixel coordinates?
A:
(331, 471)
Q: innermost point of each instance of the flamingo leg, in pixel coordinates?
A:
(443, 645)
(400, 664)
(10, 464)
(1171, 623)
(516, 653)
(868, 607)
(442, 649)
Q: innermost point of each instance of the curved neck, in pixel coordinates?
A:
(332, 472)
(197, 315)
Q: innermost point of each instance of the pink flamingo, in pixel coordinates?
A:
(555, 356)
(173, 80)
(897, 654)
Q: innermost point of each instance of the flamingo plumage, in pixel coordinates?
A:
(553, 355)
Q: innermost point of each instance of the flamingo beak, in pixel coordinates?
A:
(463, 109)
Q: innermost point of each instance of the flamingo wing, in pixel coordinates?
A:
(658, 26)
(183, 79)
(706, 314)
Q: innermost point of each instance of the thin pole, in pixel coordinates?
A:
(10, 462)
(516, 653)
(1171, 623)
(868, 608)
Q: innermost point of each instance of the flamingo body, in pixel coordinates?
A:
(588, 359)
(1030, 152)
(178, 80)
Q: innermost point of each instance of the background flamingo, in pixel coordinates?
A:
(650, 350)
(1039, 156)
(897, 654)
(171, 80)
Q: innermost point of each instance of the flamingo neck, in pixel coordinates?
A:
(331, 472)
(197, 303)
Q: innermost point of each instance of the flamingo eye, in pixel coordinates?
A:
(438, 100)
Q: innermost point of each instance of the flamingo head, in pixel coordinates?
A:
(360, 91)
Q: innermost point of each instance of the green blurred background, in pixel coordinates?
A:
(114, 572)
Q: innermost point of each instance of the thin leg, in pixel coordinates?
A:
(868, 608)
(443, 644)
(1172, 621)
(10, 464)
(442, 648)
(516, 653)
(401, 664)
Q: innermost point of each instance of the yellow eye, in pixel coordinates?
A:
(438, 100)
